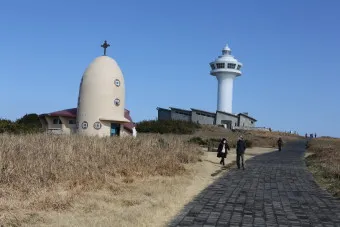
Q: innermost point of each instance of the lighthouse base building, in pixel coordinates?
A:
(100, 111)
(227, 120)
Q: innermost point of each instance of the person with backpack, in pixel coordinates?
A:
(222, 150)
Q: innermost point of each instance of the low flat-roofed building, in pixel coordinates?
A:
(245, 120)
(202, 117)
(180, 114)
(229, 120)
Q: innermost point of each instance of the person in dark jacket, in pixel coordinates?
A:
(240, 149)
(222, 150)
(279, 143)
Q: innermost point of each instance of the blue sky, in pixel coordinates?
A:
(289, 50)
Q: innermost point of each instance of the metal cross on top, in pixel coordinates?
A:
(105, 45)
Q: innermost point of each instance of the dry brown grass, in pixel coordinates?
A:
(44, 172)
(50, 180)
(324, 162)
(43, 160)
(258, 138)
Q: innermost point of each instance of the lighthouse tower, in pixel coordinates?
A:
(226, 68)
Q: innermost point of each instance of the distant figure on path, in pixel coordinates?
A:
(222, 150)
(306, 135)
(314, 135)
(240, 149)
(279, 143)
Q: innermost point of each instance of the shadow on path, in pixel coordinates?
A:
(226, 167)
(275, 189)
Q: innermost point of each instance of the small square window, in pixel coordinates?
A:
(72, 122)
(212, 66)
(239, 67)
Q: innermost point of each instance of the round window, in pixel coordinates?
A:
(117, 102)
(84, 125)
(97, 125)
(117, 82)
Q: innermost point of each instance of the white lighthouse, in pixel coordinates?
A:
(226, 68)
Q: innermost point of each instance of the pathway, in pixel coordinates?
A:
(276, 189)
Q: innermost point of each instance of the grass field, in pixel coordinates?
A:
(43, 172)
(256, 138)
(324, 162)
(48, 180)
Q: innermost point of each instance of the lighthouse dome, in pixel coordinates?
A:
(101, 98)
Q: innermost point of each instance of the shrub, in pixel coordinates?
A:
(248, 143)
(198, 140)
(27, 124)
(169, 126)
(29, 120)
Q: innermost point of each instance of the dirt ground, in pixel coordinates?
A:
(139, 202)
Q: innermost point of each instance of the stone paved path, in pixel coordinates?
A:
(276, 189)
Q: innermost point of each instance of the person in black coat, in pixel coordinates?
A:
(240, 149)
(222, 150)
(279, 143)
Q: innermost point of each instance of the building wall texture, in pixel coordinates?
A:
(181, 116)
(245, 122)
(223, 118)
(164, 114)
(67, 127)
(200, 118)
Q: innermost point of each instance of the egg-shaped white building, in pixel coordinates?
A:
(101, 99)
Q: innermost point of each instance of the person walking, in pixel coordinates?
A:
(240, 149)
(222, 150)
(279, 143)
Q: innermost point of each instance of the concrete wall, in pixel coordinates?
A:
(44, 123)
(124, 132)
(202, 118)
(164, 114)
(180, 115)
(67, 127)
(246, 122)
(50, 123)
(224, 118)
(49, 127)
